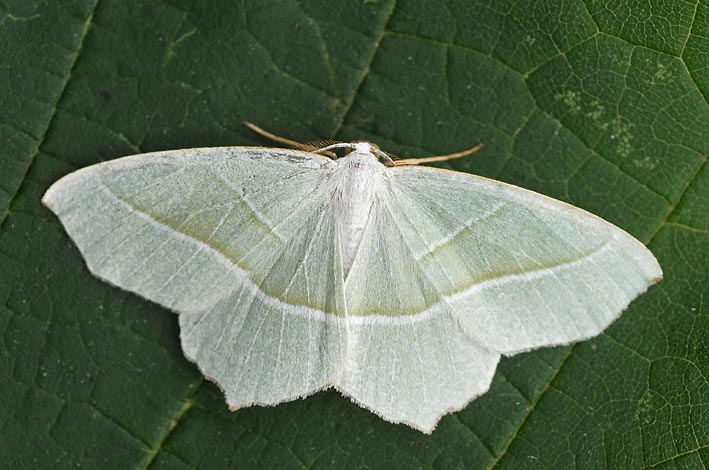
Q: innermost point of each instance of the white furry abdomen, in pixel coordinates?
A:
(358, 178)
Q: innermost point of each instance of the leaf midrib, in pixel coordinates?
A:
(50, 119)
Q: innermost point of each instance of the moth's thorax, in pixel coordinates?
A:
(358, 177)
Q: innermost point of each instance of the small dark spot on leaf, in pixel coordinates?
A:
(105, 95)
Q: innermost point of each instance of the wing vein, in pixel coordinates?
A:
(197, 251)
(260, 217)
(442, 242)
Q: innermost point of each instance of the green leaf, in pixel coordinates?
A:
(601, 104)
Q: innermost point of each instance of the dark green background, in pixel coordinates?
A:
(600, 103)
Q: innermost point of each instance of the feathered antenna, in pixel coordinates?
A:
(307, 147)
(321, 146)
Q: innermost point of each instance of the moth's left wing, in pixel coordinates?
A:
(238, 241)
(519, 270)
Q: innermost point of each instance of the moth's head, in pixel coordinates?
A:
(364, 146)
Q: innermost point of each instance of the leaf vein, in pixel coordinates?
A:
(35, 151)
(365, 72)
(532, 407)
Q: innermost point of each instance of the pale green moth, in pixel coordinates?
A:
(400, 286)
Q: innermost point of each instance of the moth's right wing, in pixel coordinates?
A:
(237, 240)
(518, 269)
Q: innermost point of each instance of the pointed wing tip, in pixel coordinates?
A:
(49, 197)
(423, 429)
(424, 426)
(61, 189)
(593, 334)
(232, 402)
(653, 272)
(47, 203)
